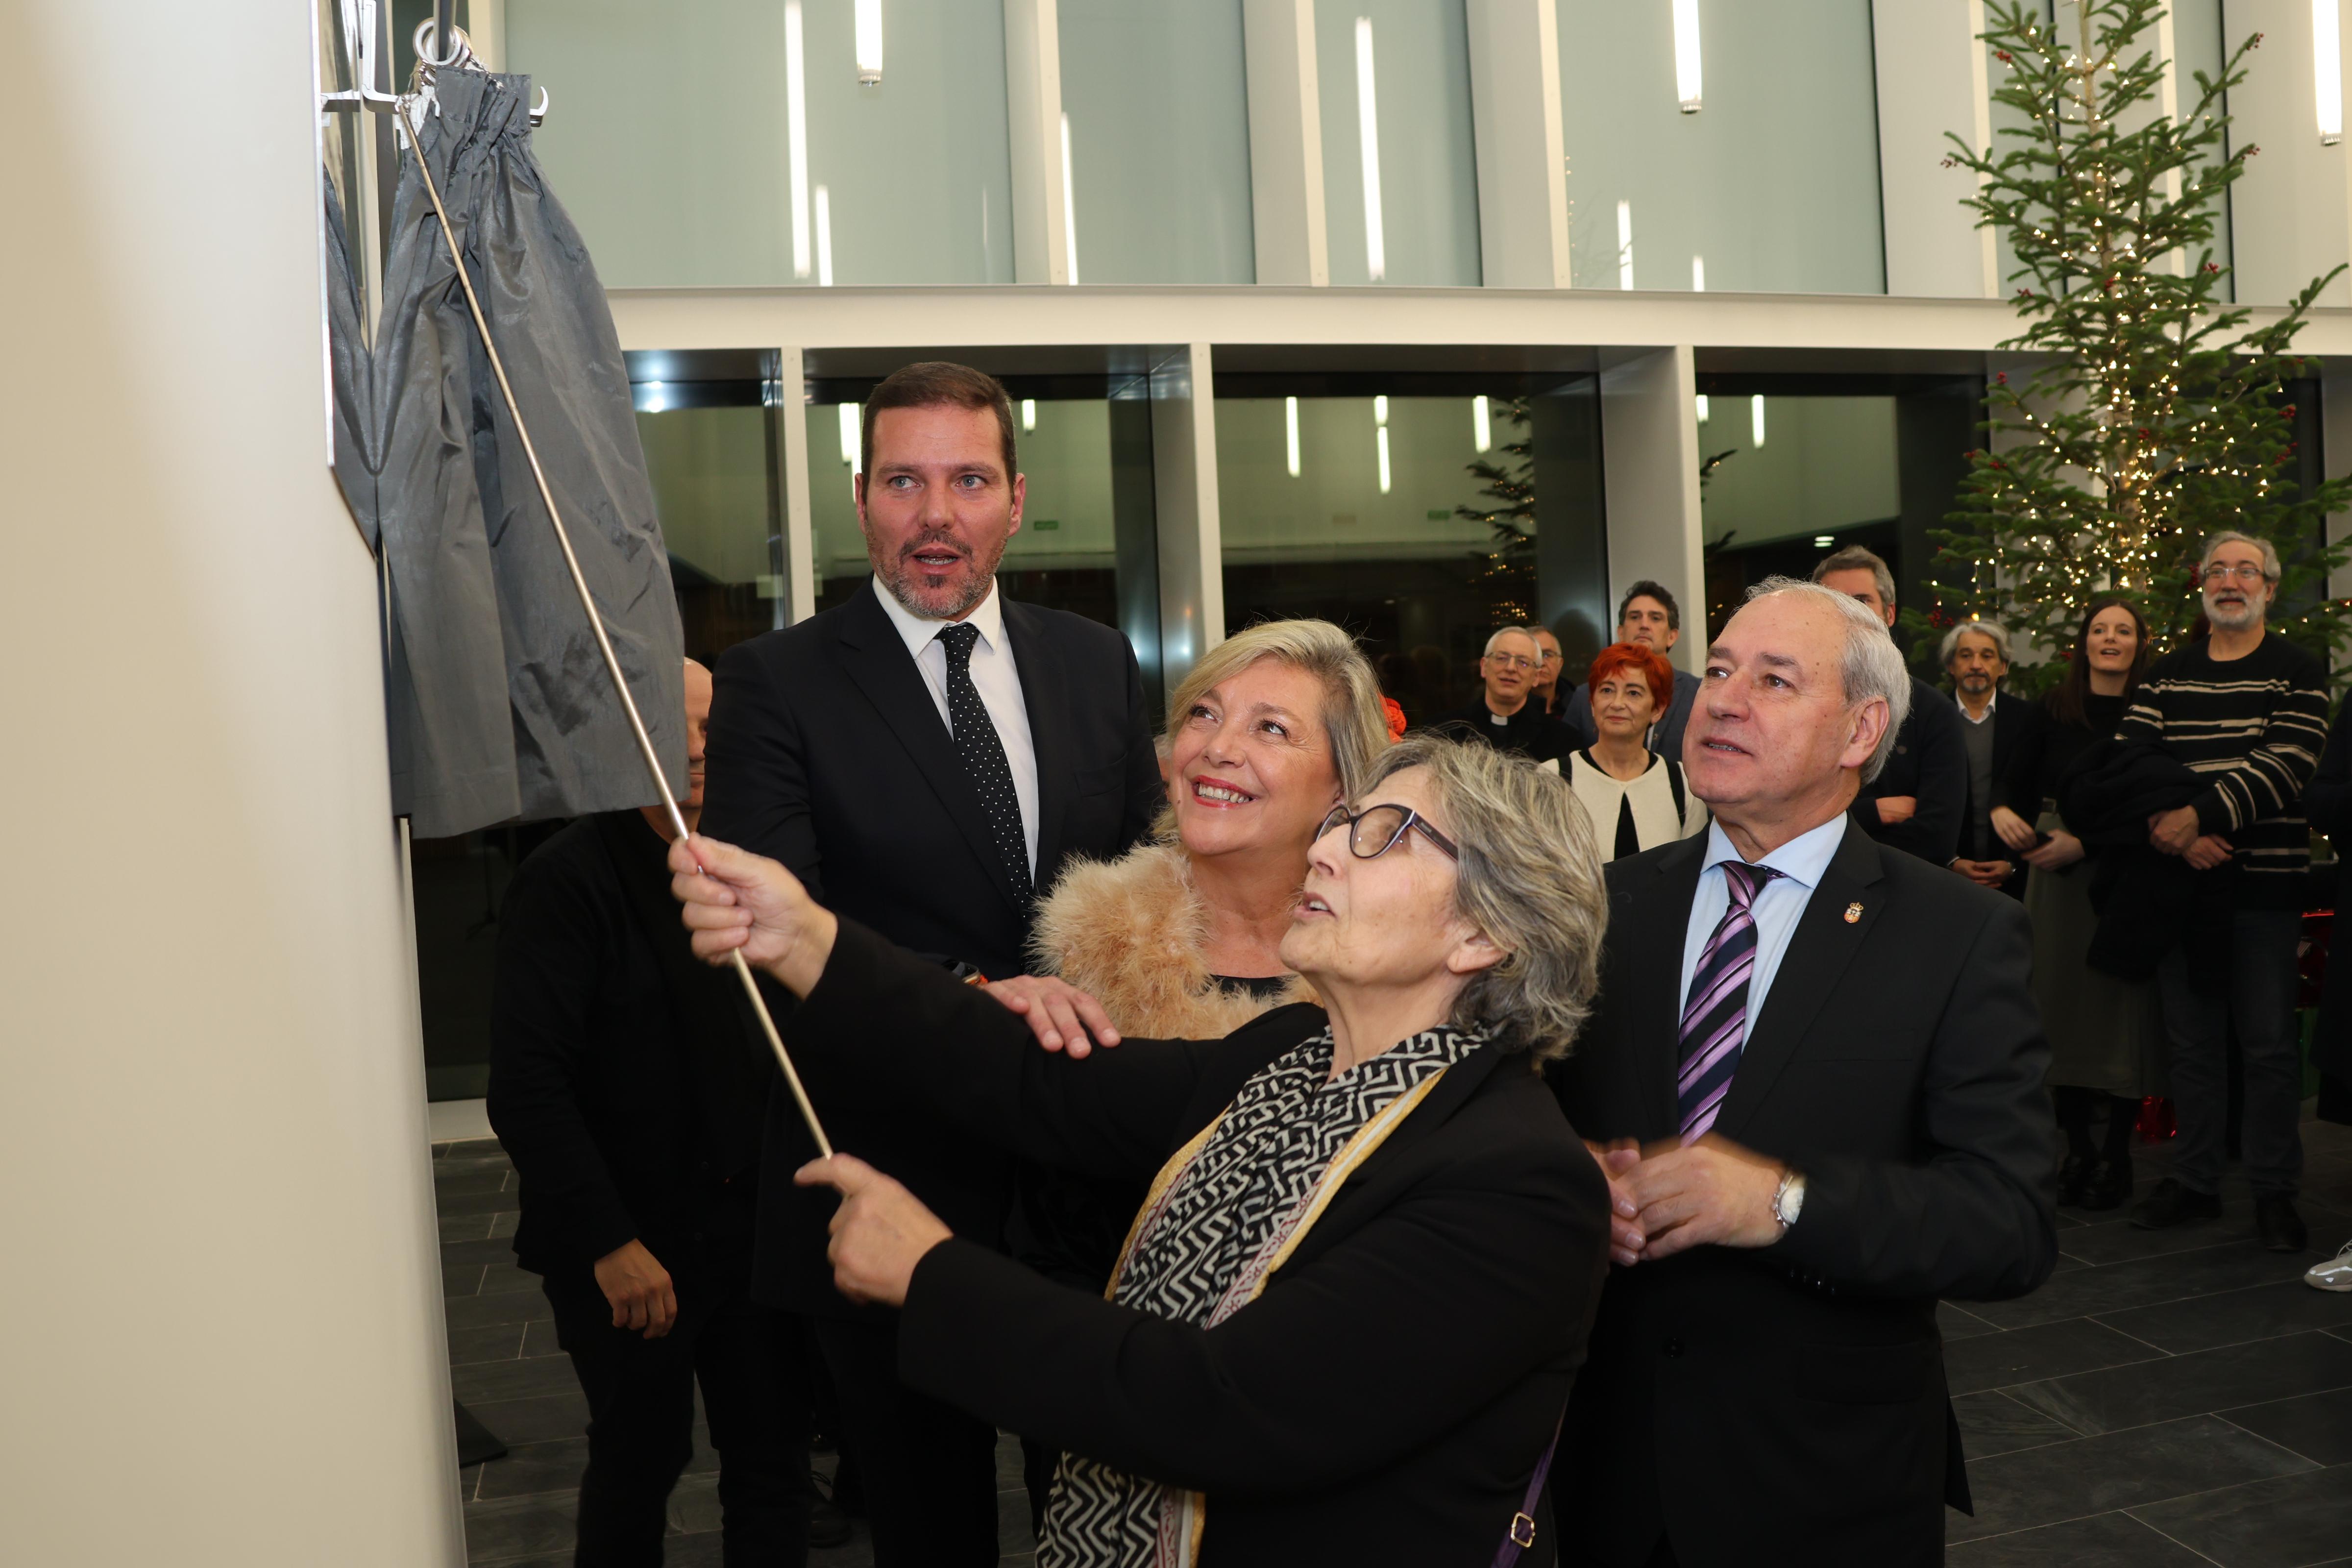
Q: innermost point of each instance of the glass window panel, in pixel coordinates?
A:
(1159, 117)
(667, 140)
(1379, 542)
(1422, 175)
(1771, 186)
(713, 472)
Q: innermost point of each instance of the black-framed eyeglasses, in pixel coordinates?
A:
(1374, 831)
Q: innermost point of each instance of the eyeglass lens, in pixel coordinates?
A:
(2245, 572)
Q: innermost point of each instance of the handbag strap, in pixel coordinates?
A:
(1521, 1535)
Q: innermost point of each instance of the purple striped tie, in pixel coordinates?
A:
(1715, 1018)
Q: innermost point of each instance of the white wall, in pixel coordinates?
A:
(224, 1340)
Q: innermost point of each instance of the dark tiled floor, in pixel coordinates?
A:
(505, 1367)
(2169, 1399)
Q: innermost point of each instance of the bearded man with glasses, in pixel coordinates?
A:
(2246, 711)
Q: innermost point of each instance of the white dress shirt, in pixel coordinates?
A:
(1802, 862)
(994, 674)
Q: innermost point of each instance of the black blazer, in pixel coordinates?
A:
(1930, 762)
(621, 1081)
(827, 753)
(1387, 1397)
(2017, 725)
(1788, 1404)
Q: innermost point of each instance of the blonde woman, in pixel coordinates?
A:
(1181, 938)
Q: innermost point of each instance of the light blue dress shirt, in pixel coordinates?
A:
(1802, 862)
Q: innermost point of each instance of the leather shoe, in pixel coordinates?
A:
(2279, 1226)
(2168, 1203)
(2073, 1177)
(2108, 1188)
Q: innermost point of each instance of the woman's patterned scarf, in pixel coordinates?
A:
(1224, 1213)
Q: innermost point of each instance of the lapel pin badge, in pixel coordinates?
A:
(1854, 911)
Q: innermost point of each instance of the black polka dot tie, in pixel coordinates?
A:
(982, 750)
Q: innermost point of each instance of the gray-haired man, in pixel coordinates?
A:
(1994, 726)
(2249, 712)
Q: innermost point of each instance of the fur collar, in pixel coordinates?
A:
(1131, 932)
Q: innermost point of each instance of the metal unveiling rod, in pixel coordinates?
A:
(596, 623)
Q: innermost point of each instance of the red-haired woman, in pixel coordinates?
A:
(1637, 800)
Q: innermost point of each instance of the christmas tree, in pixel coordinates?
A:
(2159, 415)
(1504, 574)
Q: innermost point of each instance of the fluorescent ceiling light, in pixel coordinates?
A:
(1028, 413)
(652, 397)
(869, 43)
(1380, 410)
(1290, 432)
(1481, 430)
(1823, 540)
(1624, 245)
(1367, 137)
(1383, 435)
(1698, 274)
(1069, 205)
(849, 416)
(2327, 70)
(823, 237)
(1702, 408)
(796, 134)
(1756, 420)
(1687, 82)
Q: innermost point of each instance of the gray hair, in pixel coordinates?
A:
(2231, 536)
(1857, 558)
(1868, 667)
(1499, 633)
(1992, 631)
(1530, 879)
(1354, 723)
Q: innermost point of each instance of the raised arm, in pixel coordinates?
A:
(758, 775)
(1500, 1265)
(909, 1028)
(1975, 1220)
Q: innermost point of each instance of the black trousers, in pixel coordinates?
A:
(929, 1470)
(752, 1363)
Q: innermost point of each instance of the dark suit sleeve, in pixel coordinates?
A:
(1976, 1220)
(1147, 794)
(2020, 789)
(553, 938)
(2330, 791)
(1418, 1319)
(758, 785)
(903, 1030)
(1933, 832)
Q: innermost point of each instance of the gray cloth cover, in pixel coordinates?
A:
(500, 705)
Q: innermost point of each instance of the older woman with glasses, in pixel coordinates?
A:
(1347, 1314)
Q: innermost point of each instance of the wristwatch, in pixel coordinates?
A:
(1788, 1200)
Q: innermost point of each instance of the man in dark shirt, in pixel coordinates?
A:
(1506, 716)
(1647, 615)
(2248, 710)
(1915, 803)
(624, 1091)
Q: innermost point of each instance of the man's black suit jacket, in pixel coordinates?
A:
(2016, 723)
(827, 753)
(1788, 1404)
(1929, 763)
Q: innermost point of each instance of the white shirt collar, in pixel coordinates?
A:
(1991, 708)
(1803, 861)
(920, 632)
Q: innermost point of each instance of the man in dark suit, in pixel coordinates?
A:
(1507, 715)
(1915, 802)
(624, 1091)
(1765, 1380)
(925, 758)
(1993, 725)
